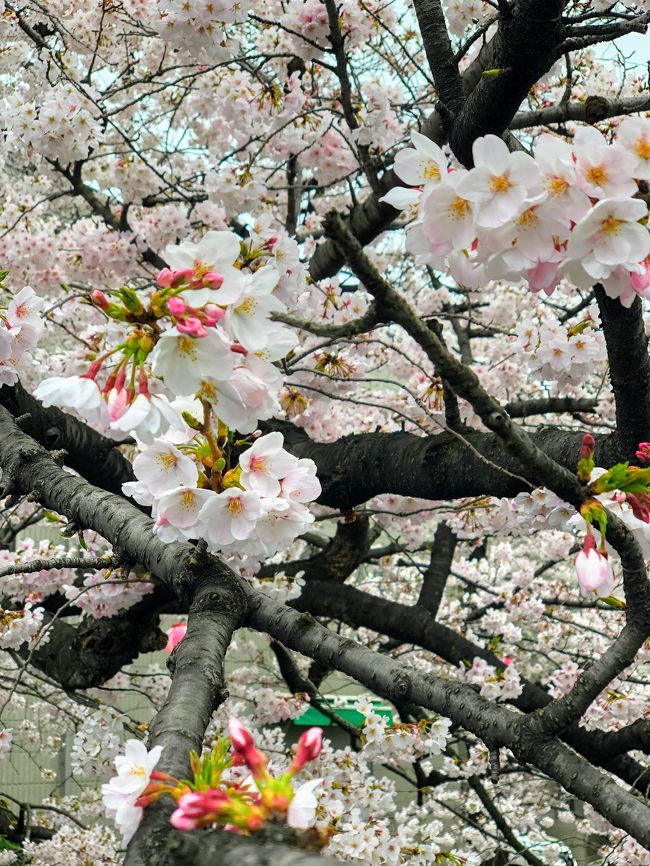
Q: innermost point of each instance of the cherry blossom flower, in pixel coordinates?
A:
(500, 182)
(247, 320)
(424, 163)
(147, 416)
(134, 770)
(216, 252)
(448, 216)
(178, 510)
(227, 404)
(74, 392)
(301, 483)
(265, 463)
(231, 515)
(22, 310)
(162, 467)
(634, 135)
(182, 361)
(302, 808)
(602, 170)
(555, 159)
(607, 237)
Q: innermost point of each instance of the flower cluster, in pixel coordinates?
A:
(212, 798)
(569, 212)
(401, 743)
(199, 27)
(496, 685)
(20, 328)
(563, 355)
(260, 501)
(96, 744)
(22, 626)
(102, 593)
(60, 127)
(205, 332)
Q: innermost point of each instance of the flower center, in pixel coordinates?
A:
(430, 171)
(557, 186)
(611, 226)
(246, 307)
(257, 464)
(642, 147)
(187, 347)
(597, 175)
(188, 498)
(137, 770)
(167, 460)
(528, 218)
(500, 183)
(235, 505)
(458, 209)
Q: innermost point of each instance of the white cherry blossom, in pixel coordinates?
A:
(265, 463)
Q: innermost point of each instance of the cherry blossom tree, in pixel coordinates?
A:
(323, 354)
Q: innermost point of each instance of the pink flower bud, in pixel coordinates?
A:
(212, 314)
(644, 452)
(237, 347)
(309, 746)
(100, 299)
(165, 278)
(93, 370)
(181, 277)
(595, 574)
(175, 635)
(192, 327)
(239, 736)
(212, 280)
(176, 306)
(244, 747)
(588, 445)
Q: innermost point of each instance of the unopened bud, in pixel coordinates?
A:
(100, 299)
(165, 278)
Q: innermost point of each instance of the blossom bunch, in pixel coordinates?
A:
(102, 593)
(570, 212)
(198, 27)
(194, 494)
(20, 328)
(212, 797)
(494, 684)
(60, 126)
(401, 743)
(206, 331)
(559, 354)
(22, 626)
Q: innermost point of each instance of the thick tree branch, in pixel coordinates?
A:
(523, 735)
(87, 451)
(435, 576)
(440, 55)
(523, 49)
(197, 689)
(227, 849)
(580, 111)
(629, 367)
